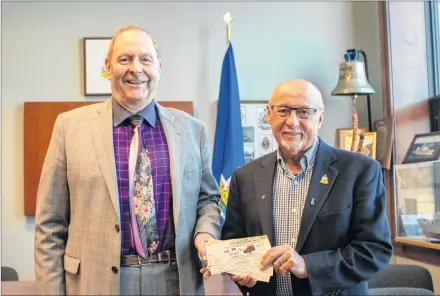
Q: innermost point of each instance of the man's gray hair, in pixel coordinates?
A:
(119, 30)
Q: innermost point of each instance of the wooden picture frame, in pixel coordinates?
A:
(95, 51)
(424, 147)
(258, 139)
(367, 143)
(342, 132)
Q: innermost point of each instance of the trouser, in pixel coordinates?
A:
(159, 278)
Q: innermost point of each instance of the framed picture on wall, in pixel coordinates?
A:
(257, 133)
(342, 132)
(424, 147)
(367, 143)
(95, 50)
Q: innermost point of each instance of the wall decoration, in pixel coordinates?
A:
(257, 133)
(243, 115)
(248, 134)
(95, 51)
(249, 153)
(424, 147)
(266, 144)
(342, 132)
(367, 143)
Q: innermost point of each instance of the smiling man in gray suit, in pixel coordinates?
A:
(127, 198)
(323, 208)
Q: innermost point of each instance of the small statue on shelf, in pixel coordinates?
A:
(431, 228)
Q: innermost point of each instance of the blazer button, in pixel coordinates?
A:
(117, 227)
(114, 269)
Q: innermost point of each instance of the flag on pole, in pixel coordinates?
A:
(228, 152)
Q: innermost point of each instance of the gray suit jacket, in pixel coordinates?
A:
(77, 238)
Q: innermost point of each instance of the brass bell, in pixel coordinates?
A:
(352, 78)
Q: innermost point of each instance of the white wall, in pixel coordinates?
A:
(42, 61)
(366, 37)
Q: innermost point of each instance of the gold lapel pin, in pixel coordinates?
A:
(324, 180)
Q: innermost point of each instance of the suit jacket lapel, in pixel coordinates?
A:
(173, 130)
(102, 134)
(263, 180)
(318, 191)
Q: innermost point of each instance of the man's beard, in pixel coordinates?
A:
(294, 146)
(297, 145)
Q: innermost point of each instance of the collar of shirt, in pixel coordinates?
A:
(307, 160)
(120, 113)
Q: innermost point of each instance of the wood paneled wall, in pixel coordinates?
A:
(39, 118)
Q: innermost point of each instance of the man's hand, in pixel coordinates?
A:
(199, 242)
(205, 272)
(284, 260)
(247, 281)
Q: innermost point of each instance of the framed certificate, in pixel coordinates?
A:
(95, 51)
(257, 133)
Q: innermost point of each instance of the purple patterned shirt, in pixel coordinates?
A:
(154, 140)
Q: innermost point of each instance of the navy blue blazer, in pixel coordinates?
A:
(344, 235)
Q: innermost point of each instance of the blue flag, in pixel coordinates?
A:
(228, 152)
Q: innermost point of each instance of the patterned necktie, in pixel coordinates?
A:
(143, 194)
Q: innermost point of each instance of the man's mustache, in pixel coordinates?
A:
(293, 132)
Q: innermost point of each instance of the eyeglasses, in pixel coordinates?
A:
(303, 113)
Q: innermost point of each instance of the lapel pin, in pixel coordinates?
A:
(312, 202)
(324, 180)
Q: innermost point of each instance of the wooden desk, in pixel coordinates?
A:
(215, 285)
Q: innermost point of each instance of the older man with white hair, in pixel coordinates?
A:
(323, 208)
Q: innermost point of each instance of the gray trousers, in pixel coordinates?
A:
(158, 278)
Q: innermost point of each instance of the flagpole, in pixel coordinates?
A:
(228, 33)
(227, 17)
(226, 158)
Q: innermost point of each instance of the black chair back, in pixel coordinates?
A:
(402, 276)
(9, 274)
